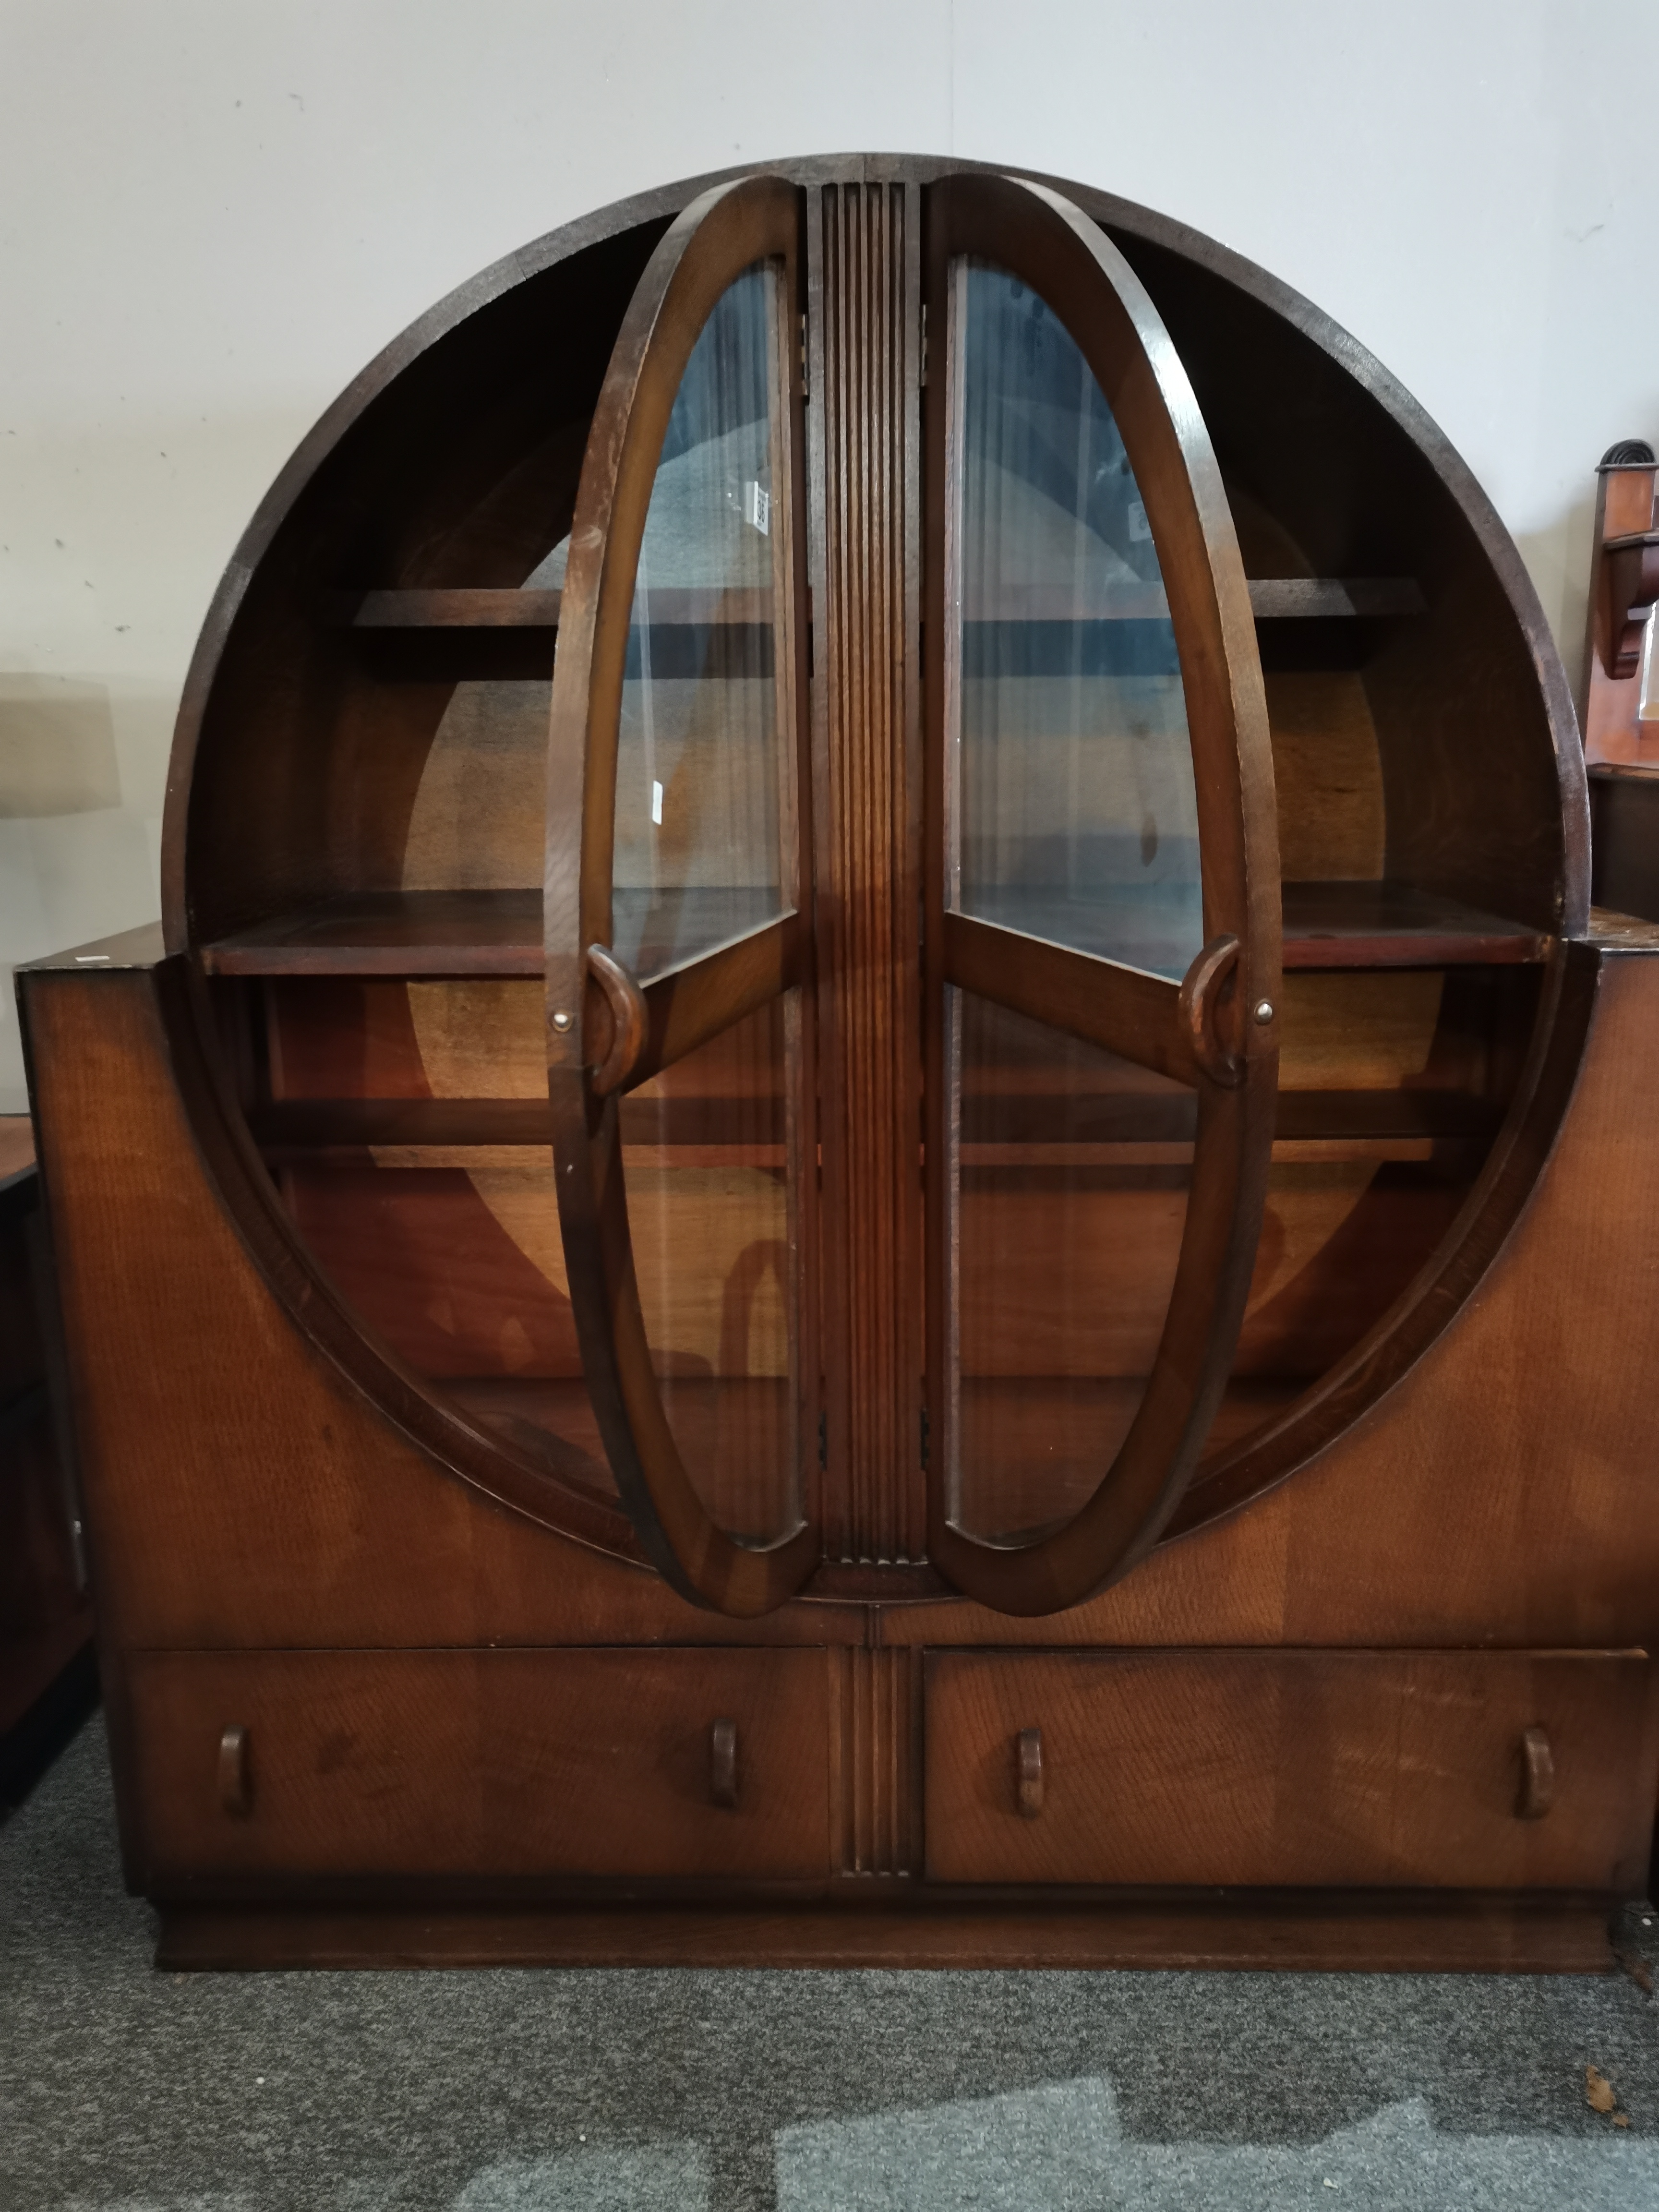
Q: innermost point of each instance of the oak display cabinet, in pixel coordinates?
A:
(879, 1194)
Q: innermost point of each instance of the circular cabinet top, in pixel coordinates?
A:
(628, 658)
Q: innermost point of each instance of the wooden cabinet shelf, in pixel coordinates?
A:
(499, 933)
(308, 1126)
(1272, 599)
(392, 933)
(447, 610)
(1390, 925)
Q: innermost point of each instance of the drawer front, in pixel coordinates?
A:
(1291, 1767)
(507, 1763)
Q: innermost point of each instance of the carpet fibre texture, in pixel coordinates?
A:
(124, 2090)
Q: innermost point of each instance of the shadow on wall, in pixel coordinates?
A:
(57, 747)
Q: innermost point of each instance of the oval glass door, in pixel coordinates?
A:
(675, 922)
(1101, 919)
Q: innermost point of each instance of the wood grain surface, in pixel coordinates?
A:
(491, 1763)
(1315, 1767)
(1355, 1933)
(864, 261)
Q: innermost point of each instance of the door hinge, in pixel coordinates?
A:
(924, 1436)
(823, 1444)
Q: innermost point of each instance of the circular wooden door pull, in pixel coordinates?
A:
(1200, 994)
(626, 1002)
(1028, 1772)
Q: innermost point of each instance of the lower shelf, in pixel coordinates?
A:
(1469, 1933)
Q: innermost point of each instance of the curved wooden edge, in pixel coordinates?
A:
(1190, 1031)
(547, 1488)
(1033, 232)
(1126, 218)
(719, 236)
(716, 238)
(1393, 1346)
(1143, 1487)
(1408, 416)
(675, 1530)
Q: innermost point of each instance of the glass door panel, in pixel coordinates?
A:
(707, 1152)
(698, 856)
(1077, 817)
(1101, 918)
(678, 1070)
(1069, 1174)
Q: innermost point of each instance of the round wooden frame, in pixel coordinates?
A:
(601, 1039)
(248, 787)
(1196, 1032)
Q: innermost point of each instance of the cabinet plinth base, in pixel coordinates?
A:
(1453, 1934)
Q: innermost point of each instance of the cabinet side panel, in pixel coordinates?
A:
(1503, 1490)
(239, 1490)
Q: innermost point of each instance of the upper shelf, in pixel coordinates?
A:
(457, 636)
(1272, 599)
(499, 933)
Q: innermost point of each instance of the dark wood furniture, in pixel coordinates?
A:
(46, 1676)
(1620, 699)
(880, 1193)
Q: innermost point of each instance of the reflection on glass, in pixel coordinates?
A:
(706, 1157)
(1068, 1194)
(697, 855)
(1076, 815)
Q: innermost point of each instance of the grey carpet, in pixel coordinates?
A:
(517, 2091)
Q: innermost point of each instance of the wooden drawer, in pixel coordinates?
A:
(1281, 1767)
(496, 1763)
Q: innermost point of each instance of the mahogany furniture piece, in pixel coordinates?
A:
(850, 1213)
(47, 1681)
(1621, 681)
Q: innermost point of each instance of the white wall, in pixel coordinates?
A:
(212, 212)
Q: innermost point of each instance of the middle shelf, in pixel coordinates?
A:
(1408, 1121)
(417, 935)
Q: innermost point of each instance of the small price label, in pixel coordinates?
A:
(757, 507)
(1140, 529)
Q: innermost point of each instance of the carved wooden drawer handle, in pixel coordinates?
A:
(1028, 1772)
(235, 1781)
(723, 1764)
(1537, 1775)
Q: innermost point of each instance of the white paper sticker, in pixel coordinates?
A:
(1140, 529)
(757, 507)
(656, 804)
